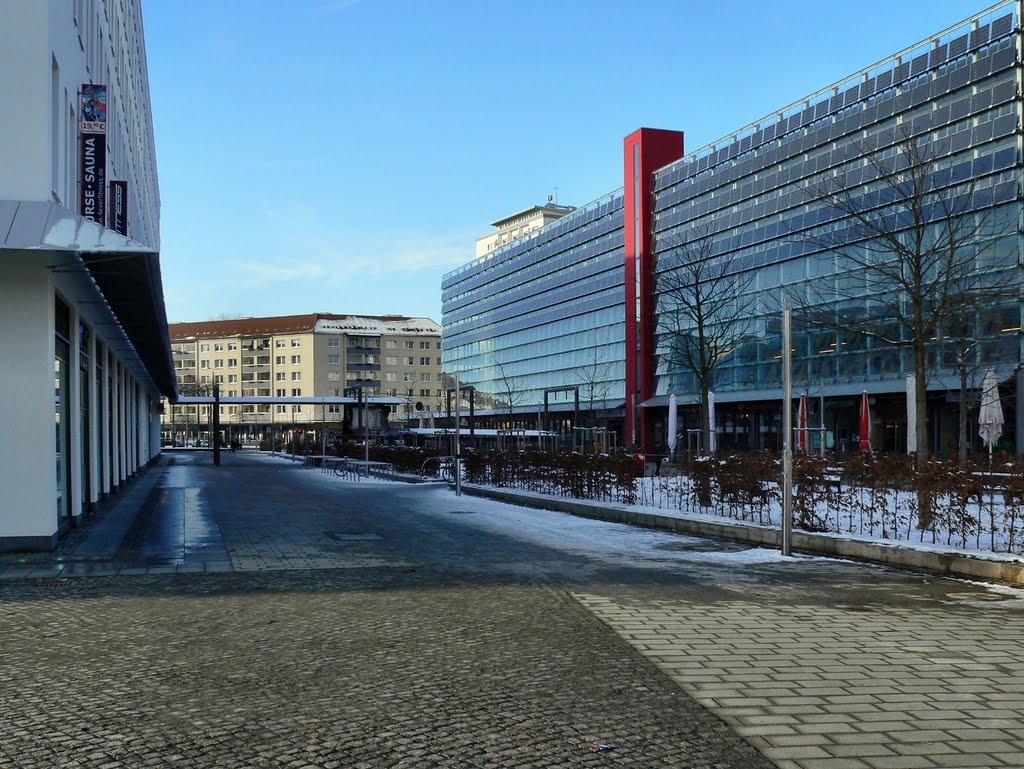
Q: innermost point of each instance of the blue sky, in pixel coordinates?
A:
(342, 155)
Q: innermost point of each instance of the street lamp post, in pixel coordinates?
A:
(787, 429)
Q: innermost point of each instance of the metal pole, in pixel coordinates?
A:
(458, 447)
(216, 425)
(823, 431)
(787, 429)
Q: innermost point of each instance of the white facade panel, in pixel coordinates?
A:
(28, 506)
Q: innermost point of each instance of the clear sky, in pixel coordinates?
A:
(342, 155)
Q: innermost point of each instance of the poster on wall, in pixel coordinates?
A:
(119, 206)
(94, 108)
(93, 153)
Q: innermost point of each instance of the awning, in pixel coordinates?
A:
(126, 272)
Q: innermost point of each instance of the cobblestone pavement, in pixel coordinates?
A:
(385, 625)
(333, 668)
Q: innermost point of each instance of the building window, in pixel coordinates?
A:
(391, 360)
(280, 376)
(296, 392)
(438, 345)
(281, 409)
(424, 345)
(409, 377)
(204, 348)
(296, 359)
(280, 343)
(296, 376)
(425, 361)
(232, 378)
(204, 364)
(410, 360)
(333, 376)
(219, 363)
(232, 362)
(390, 376)
(296, 343)
(232, 345)
(334, 360)
(409, 345)
(218, 378)
(334, 341)
(424, 393)
(281, 392)
(425, 376)
(391, 344)
(279, 360)
(248, 393)
(218, 347)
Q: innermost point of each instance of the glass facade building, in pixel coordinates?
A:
(536, 308)
(544, 311)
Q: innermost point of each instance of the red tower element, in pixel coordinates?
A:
(646, 150)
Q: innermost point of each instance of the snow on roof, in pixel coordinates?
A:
(356, 325)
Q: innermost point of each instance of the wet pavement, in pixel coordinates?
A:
(262, 614)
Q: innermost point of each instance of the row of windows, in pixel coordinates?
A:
(260, 344)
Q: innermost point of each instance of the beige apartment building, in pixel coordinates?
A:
(318, 354)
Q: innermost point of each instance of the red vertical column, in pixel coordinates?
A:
(646, 150)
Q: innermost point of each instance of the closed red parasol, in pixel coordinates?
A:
(865, 423)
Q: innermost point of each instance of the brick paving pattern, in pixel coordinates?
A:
(843, 687)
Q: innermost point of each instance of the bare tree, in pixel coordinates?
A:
(704, 310)
(965, 342)
(509, 393)
(190, 389)
(594, 377)
(910, 244)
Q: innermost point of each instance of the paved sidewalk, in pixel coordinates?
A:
(334, 669)
(846, 686)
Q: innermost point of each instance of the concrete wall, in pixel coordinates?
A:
(25, 89)
(28, 503)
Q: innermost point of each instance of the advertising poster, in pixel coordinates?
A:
(93, 154)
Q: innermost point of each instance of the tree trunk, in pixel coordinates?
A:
(705, 421)
(921, 398)
(924, 502)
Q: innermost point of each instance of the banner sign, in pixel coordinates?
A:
(119, 207)
(93, 154)
(93, 177)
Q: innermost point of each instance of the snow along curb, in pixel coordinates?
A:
(957, 563)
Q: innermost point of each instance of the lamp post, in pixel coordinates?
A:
(458, 446)
(787, 429)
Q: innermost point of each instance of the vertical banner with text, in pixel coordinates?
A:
(119, 206)
(93, 155)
